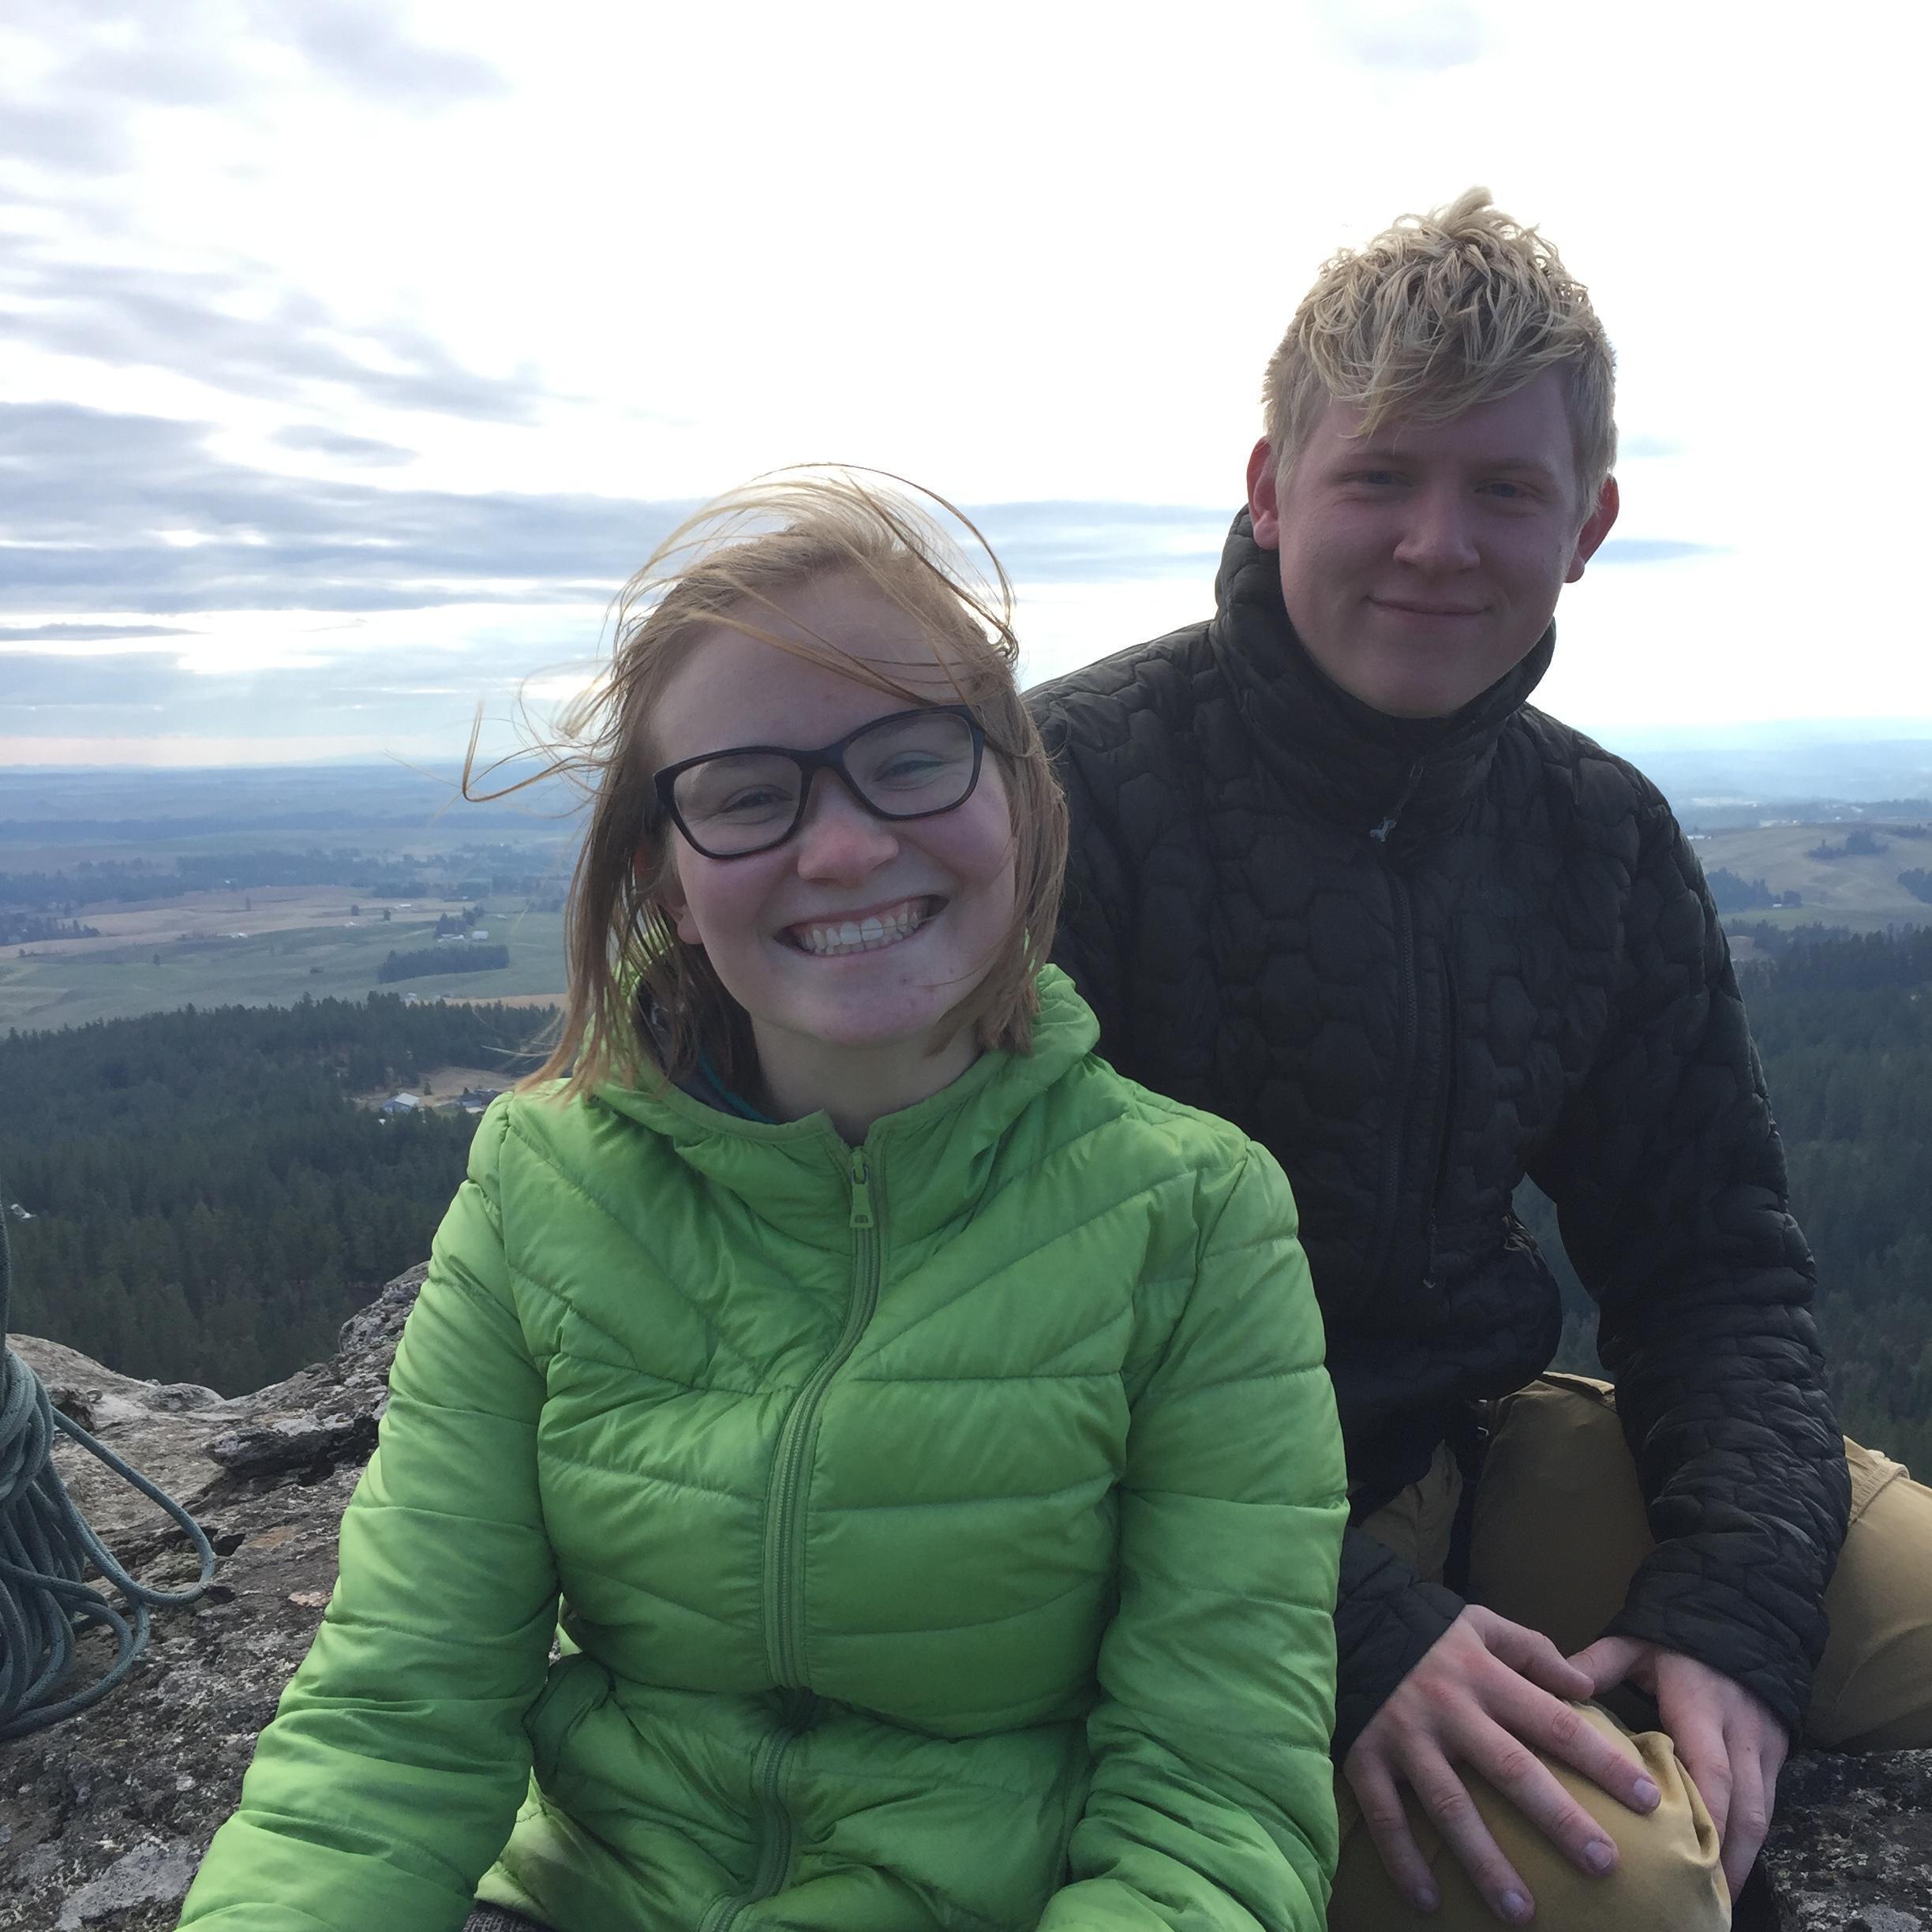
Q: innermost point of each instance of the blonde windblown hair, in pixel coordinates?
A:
(1436, 313)
(638, 998)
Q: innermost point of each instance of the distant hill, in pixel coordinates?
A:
(270, 805)
(1857, 886)
(1820, 764)
(130, 892)
(126, 893)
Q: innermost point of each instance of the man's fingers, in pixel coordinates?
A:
(1491, 1700)
(1521, 1777)
(1732, 1746)
(1709, 1766)
(1563, 1731)
(1747, 1819)
(1608, 1661)
(1383, 1812)
(1533, 1655)
(1451, 1809)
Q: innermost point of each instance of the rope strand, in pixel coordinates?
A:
(45, 1546)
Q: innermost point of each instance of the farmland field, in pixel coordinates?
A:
(1859, 889)
(142, 858)
(266, 948)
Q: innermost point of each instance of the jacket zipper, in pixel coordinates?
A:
(1405, 955)
(800, 1713)
(784, 1552)
(784, 1563)
(1397, 1128)
(1442, 1122)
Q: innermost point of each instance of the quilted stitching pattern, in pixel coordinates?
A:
(1525, 975)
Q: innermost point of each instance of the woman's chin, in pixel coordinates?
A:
(903, 1054)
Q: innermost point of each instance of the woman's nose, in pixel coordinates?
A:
(838, 838)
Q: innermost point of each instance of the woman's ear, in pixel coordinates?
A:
(671, 902)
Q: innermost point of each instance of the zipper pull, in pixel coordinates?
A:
(1380, 833)
(861, 1191)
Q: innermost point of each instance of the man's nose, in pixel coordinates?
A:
(1439, 533)
(838, 838)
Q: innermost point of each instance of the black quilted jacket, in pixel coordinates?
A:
(1418, 959)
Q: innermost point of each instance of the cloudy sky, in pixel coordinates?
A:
(351, 354)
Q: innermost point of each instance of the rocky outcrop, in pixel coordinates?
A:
(104, 1817)
(1852, 1851)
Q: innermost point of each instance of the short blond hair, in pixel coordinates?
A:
(1438, 312)
(638, 998)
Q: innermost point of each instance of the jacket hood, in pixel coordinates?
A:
(1402, 780)
(934, 1158)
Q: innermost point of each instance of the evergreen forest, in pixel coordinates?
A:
(207, 1202)
(195, 1196)
(1845, 1029)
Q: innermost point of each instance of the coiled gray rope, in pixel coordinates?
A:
(46, 1545)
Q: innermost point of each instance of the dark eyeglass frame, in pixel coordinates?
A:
(828, 758)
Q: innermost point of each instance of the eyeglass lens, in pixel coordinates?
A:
(903, 767)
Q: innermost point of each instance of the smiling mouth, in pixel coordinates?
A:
(835, 938)
(1429, 610)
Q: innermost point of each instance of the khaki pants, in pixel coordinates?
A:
(1559, 1528)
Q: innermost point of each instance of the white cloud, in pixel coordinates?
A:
(482, 267)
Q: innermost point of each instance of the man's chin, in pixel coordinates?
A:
(1414, 684)
(1412, 697)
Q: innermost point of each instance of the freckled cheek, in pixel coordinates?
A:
(726, 903)
(985, 856)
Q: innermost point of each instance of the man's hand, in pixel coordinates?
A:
(1490, 1694)
(1730, 1742)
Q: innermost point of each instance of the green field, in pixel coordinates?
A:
(272, 945)
(1860, 891)
(116, 977)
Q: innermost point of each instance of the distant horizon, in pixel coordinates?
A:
(1739, 735)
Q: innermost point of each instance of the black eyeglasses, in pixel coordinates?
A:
(908, 765)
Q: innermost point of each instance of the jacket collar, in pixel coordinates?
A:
(928, 1164)
(1403, 781)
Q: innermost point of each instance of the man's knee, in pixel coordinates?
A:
(1560, 1526)
(1668, 1872)
(1874, 1688)
(1667, 1879)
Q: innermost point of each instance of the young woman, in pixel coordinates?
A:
(924, 1429)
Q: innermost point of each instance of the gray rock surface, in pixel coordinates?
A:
(1852, 1847)
(103, 1819)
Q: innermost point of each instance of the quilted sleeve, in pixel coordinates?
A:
(393, 1768)
(1386, 1618)
(1669, 1181)
(1086, 945)
(1212, 1802)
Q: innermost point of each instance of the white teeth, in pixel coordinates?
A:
(863, 935)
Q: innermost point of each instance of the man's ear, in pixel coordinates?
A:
(1263, 511)
(1596, 528)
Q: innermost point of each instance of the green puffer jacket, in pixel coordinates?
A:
(947, 1531)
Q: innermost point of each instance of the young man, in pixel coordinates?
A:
(1331, 877)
